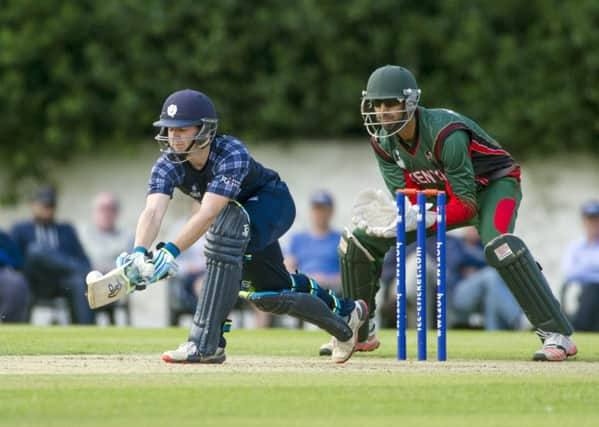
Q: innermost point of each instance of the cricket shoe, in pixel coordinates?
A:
(326, 349)
(342, 350)
(188, 353)
(556, 347)
(370, 344)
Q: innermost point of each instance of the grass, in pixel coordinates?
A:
(558, 394)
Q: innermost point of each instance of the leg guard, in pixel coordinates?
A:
(302, 306)
(359, 275)
(342, 306)
(516, 266)
(226, 241)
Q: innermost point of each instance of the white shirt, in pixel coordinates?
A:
(581, 262)
(103, 248)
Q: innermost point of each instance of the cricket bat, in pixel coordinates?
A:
(110, 287)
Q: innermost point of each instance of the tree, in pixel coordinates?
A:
(77, 75)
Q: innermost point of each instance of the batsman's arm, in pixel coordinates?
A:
(290, 263)
(150, 219)
(195, 206)
(212, 204)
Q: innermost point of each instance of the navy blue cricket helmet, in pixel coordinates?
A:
(186, 108)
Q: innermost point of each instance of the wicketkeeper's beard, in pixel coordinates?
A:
(389, 121)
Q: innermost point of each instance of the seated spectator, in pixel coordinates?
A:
(314, 251)
(386, 298)
(55, 263)
(103, 240)
(472, 287)
(13, 286)
(184, 288)
(482, 290)
(580, 294)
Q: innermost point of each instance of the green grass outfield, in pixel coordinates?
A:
(76, 376)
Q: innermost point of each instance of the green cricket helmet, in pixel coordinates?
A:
(390, 84)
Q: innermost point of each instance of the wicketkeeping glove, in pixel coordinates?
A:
(412, 216)
(375, 213)
(164, 261)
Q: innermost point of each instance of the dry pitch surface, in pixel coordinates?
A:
(144, 364)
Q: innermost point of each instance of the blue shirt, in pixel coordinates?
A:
(581, 262)
(57, 237)
(459, 255)
(230, 171)
(10, 255)
(316, 254)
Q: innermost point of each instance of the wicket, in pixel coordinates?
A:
(441, 309)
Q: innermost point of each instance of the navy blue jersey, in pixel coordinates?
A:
(10, 254)
(230, 171)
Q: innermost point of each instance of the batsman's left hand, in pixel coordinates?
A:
(164, 261)
(139, 268)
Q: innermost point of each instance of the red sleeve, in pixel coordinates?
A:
(456, 210)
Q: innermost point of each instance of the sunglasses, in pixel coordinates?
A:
(389, 102)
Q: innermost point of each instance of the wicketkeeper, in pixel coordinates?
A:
(421, 148)
(243, 208)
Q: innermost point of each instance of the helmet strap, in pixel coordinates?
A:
(185, 156)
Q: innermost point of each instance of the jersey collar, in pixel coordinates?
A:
(412, 149)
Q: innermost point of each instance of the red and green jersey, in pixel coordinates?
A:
(449, 152)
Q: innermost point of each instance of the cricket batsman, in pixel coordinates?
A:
(242, 208)
(421, 148)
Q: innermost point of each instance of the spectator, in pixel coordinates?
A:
(184, 288)
(472, 287)
(481, 290)
(103, 240)
(55, 263)
(386, 299)
(581, 270)
(13, 286)
(314, 251)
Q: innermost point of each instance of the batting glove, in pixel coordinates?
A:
(164, 261)
(141, 269)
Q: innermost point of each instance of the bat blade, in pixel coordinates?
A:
(111, 287)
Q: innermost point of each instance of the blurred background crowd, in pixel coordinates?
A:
(81, 83)
(44, 261)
